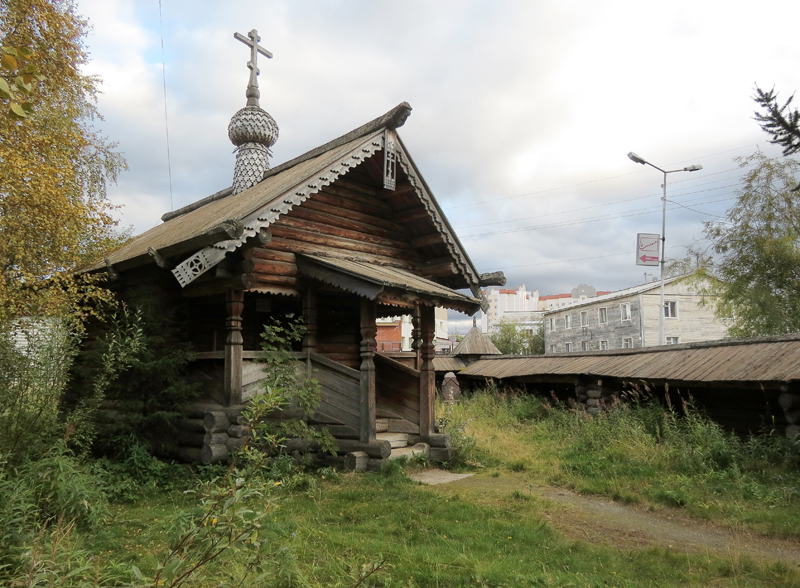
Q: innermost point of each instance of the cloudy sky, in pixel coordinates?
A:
(523, 111)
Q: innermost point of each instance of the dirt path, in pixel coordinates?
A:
(601, 520)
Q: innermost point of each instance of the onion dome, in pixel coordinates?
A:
(253, 131)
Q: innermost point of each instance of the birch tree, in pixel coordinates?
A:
(54, 165)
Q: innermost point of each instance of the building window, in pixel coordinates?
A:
(603, 345)
(567, 347)
(673, 340)
(584, 318)
(627, 342)
(552, 324)
(671, 309)
(552, 349)
(568, 321)
(625, 311)
(602, 315)
(584, 346)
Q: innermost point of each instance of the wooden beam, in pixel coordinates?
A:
(427, 377)
(264, 236)
(401, 189)
(240, 282)
(429, 239)
(285, 232)
(369, 331)
(324, 228)
(416, 338)
(274, 280)
(412, 215)
(277, 268)
(112, 273)
(492, 279)
(160, 260)
(348, 201)
(370, 219)
(269, 254)
(291, 245)
(310, 319)
(344, 221)
(234, 301)
(443, 269)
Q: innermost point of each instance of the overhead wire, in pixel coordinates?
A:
(620, 254)
(612, 203)
(586, 220)
(503, 198)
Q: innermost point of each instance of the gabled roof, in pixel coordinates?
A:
(476, 343)
(223, 222)
(615, 295)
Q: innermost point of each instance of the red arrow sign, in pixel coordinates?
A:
(646, 258)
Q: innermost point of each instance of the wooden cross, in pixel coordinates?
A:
(251, 40)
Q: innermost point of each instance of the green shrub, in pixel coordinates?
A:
(63, 486)
(35, 358)
(150, 385)
(286, 383)
(57, 490)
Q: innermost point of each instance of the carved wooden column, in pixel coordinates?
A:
(369, 331)
(427, 377)
(310, 320)
(233, 347)
(416, 341)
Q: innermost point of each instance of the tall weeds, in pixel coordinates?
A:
(640, 451)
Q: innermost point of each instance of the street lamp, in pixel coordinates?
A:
(636, 159)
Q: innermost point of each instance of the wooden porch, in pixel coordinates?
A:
(379, 409)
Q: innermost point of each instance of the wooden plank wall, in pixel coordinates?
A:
(397, 388)
(340, 393)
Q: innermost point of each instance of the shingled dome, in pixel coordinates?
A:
(253, 131)
(476, 343)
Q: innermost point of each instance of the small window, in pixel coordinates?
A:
(568, 321)
(602, 315)
(603, 345)
(671, 309)
(567, 347)
(552, 324)
(584, 318)
(584, 346)
(673, 340)
(625, 311)
(627, 342)
(552, 349)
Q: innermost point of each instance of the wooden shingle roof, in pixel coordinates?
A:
(761, 359)
(476, 343)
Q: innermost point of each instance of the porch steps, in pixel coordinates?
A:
(397, 440)
(395, 425)
(409, 452)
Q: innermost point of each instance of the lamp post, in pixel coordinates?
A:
(636, 159)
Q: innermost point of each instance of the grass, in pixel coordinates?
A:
(382, 529)
(423, 536)
(640, 453)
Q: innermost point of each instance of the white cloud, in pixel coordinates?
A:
(509, 98)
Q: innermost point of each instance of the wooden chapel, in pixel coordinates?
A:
(340, 235)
